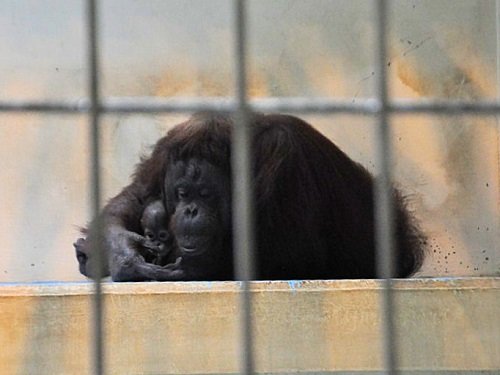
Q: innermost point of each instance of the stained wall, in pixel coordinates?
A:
(447, 166)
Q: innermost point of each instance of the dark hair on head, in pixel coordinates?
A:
(205, 136)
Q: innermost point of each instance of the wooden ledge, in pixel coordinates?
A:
(446, 325)
(87, 287)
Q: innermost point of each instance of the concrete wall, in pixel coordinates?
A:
(449, 167)
(447, 326)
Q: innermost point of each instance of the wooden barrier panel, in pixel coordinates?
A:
(449, 326)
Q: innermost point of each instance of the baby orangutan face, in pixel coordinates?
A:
(154, 224)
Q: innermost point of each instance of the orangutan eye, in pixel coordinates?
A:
(204, 193)
(181, 193)
(149, 235)
(163, 235)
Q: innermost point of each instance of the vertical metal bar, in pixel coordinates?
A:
(384, 206)
(242, 193)
(94, 114)
(497, 25)
(497, 114)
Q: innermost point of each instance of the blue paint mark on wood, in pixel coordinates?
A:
(294, 284)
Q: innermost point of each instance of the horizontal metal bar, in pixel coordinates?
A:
(66, 106)
(443, 107)
(367, 106)
(314, 105)
(165, 105)
(122, 105)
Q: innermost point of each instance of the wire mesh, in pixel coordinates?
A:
(382, 107)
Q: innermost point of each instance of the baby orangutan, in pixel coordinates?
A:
(156, 246)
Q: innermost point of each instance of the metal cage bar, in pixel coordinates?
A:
(149, 105)
(243, 236)
(497, 25)
(384, 205)
(94, 120)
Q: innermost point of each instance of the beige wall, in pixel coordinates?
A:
(448, 167)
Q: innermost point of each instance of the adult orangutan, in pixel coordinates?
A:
(314, 208)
